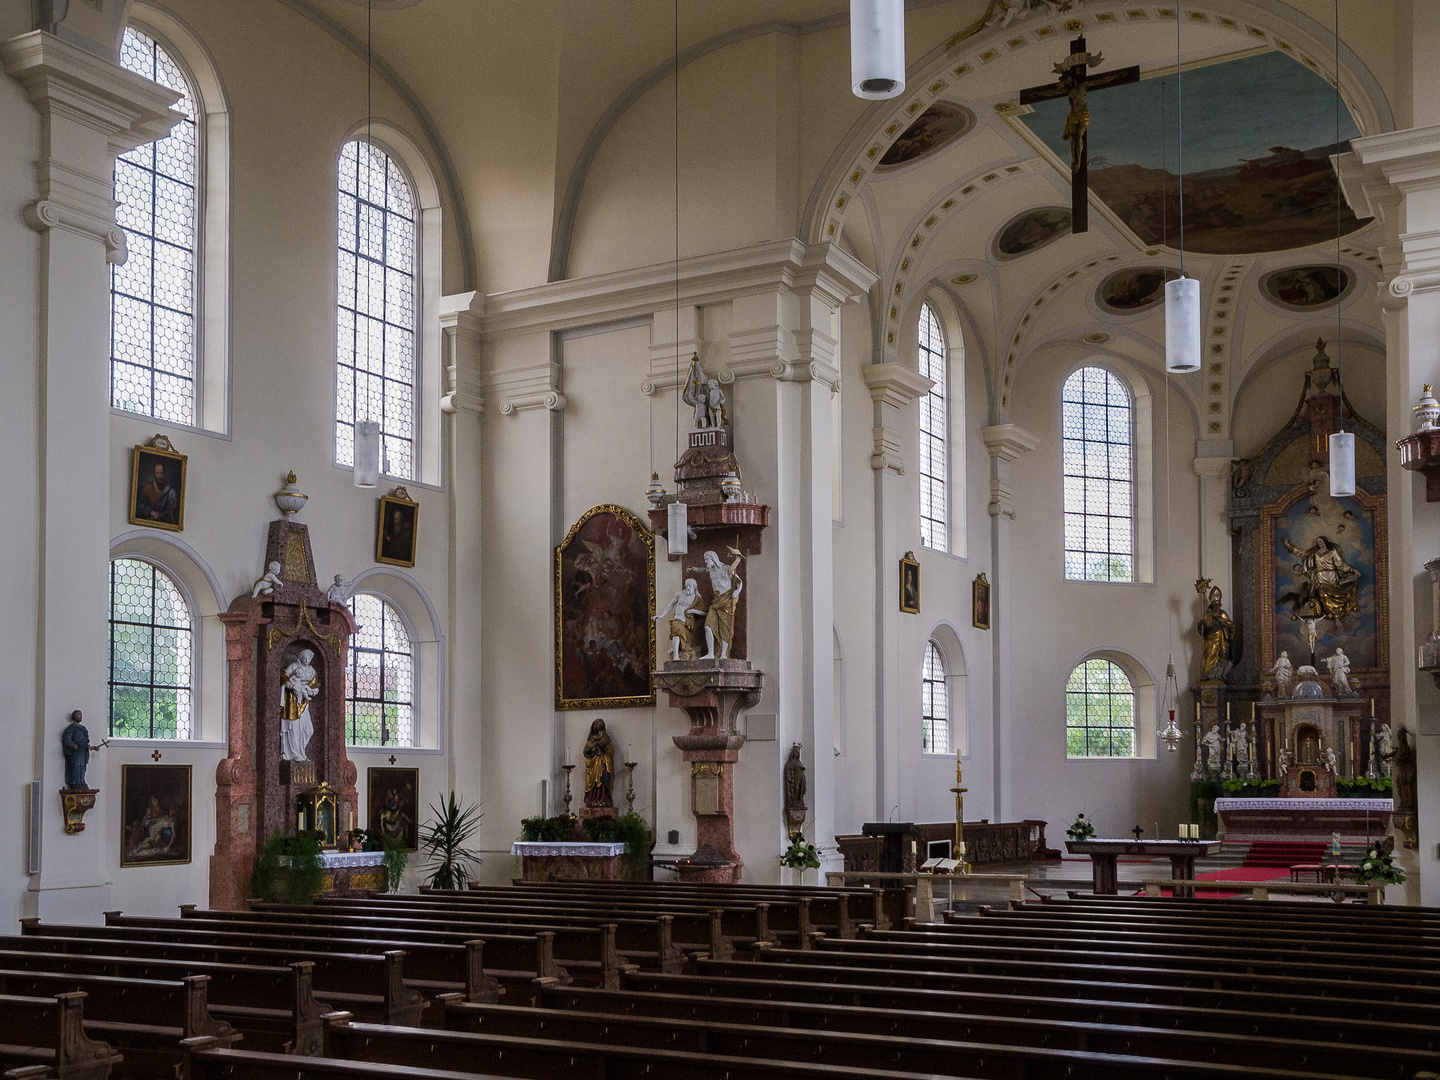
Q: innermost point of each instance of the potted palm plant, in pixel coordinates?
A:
(449, 862)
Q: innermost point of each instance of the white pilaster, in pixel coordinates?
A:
(90, 110)
(1004, 443)
(1396, 177)
(1212, 464)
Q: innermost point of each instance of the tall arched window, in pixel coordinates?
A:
(934, 702)
(375, 335)
(380, 679)
(152, 295)
(934, 435)
(1098, 451)
(151, 652)
(1099, 711)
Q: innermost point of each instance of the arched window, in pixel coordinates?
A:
(152, 295)
(380, 680)
(934, 435)
(151, 650)
(1098, 452)
(934, 702)
(375, 335)
(1099, 711)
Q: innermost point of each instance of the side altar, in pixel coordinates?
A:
(286, 644)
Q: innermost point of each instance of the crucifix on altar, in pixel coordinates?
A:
(1076, 82)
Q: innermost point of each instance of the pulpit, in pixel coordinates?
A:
(286, 645)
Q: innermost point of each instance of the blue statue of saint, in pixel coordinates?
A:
(75, 743)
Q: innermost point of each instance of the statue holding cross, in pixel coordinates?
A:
(1076, 83)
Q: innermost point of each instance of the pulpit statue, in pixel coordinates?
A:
(685, 612)
(296, 728)
(599, 766)
(1218, 634)
(725, 585)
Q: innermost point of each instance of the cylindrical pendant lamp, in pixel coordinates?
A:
(1342, 463)
(367, 453)
(677, 528)
(877, 48)
(1182, 326)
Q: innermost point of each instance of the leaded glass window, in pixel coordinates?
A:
(1098, 448)
(1099, 711)
(934, 703)
(375, 334)
(934, 521)
(151, 651)
(379, 702)
(152, 295)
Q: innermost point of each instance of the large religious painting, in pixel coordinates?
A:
(1323, 576)
(933, 130)
(605, 611)
(155, 815)
(394, 812)
(1257, 164)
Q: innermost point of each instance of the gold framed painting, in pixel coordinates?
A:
(391, 797)
(157, 485)
(605, 611)
(980, 602)
(397, 529)
(155, 819)
(910, 584)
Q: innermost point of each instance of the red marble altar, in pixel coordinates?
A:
(256, 792)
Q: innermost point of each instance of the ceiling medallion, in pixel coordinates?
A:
(964, 279)
(1097, 338)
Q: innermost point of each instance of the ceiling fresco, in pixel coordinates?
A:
(1259, 132)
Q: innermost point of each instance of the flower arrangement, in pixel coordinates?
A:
(1080, 829)
(801, 854)
(1379, 865)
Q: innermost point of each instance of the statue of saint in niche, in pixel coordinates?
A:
(1329, 587)
(599, 766)
(1218, 633)
(301, 684)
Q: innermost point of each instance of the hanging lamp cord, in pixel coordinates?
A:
(1339, 272)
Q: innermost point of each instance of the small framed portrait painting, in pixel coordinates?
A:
(395, 532)
(157, 485)
(980, 599)
(910, 584)
(391, 797)
(156, 815)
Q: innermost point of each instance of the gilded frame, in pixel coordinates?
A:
(143, 459)
(565, 602)
(980, 602)
(378, 777)
(150, 781)
(910, 584)
(399, 499)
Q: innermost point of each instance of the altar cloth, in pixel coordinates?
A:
(1301, 803)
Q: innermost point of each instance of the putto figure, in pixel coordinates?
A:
(269, 583)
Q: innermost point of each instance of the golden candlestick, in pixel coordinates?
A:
(959, 789)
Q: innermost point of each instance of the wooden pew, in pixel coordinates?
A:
(1147, 1029)
(1099, 986)
(436, 953)
(144, 1019)
(272, 1006)
(373, 984)
(563, 1059)
(1259, 957)
(50, 1032)
(204, 1061)
(1152, 970)
(1081, 1051)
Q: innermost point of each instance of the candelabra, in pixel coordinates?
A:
(959, 789)
(630, 786)
(567, 769)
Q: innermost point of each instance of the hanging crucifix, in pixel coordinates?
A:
(1076, 84)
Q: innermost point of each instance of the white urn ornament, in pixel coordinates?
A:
(289, 498)
(1426, 410)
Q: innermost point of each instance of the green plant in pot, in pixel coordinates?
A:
(1080, 829)
(442, 840)
(801, 855)
(288, 868)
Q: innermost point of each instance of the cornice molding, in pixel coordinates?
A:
(1008, 441)
(530, 386)
(460, 316)
(894, 384)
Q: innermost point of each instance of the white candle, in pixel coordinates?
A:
(1184, 831)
